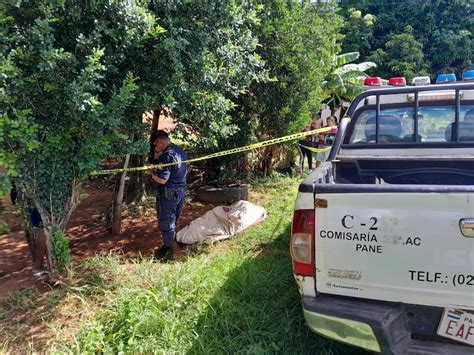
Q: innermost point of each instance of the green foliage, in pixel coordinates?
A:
(5, 186)
(207, 61)
(443, 28)
(358, 32)
(298, 42)
(60, 249)
(403, 56)
(67, 95)
(78, 76)
(451, 48)
(346, 80)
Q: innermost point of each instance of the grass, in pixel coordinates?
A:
(235, 296)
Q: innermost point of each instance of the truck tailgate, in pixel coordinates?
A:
(391, 247)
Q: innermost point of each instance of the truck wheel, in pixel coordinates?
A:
(227, 194)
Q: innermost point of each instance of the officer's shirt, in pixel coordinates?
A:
(175, 174)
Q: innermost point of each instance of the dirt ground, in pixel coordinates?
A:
(87, 233)
(88, 236)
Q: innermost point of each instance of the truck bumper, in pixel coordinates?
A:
(389, 328)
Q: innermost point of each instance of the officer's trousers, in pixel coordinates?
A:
(168, 210)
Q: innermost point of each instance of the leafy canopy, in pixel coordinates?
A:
(65, 96)
(441, 29)
(298, 42)
(403, 55)
(208, 59)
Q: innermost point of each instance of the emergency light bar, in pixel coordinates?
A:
(468, 75)
(421, 80)
(374, 81)
(435, 96)
(446, 78)
(397, 81)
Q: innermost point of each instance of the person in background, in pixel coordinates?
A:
(308, 141)
(331, 121)
(305, 153)
(171, 190)
(318, 122)
(323, 141)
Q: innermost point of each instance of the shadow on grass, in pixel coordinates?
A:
(258, 310)
(25, 314)
(22, 318)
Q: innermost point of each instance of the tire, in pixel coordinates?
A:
(211, 194)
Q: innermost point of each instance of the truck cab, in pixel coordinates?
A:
(383, 232)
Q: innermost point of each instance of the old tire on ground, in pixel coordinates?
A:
(226, 194)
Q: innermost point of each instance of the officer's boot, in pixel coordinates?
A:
(165, 253)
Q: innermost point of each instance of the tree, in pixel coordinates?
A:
(358, 32)
(443, 27)
(208, 60)
(345, 81)
(297, 42)
(451, 49)
(78, 76)
(204, 62)
(402, 56)
(65, 104)
(79, 54)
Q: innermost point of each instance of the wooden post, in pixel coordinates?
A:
(118, 201)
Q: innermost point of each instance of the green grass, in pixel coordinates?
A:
(234, 296)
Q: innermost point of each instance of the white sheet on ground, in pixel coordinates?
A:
(222, 222)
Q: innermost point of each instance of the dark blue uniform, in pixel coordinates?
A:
(170, 196)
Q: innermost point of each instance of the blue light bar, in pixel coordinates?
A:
(445, 78)
(468, 75)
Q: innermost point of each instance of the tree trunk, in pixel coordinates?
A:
(265, 163)
(50, 258)
(117, 202)
(51, 223)
(153, 129)
(154, 123)
(136, 188)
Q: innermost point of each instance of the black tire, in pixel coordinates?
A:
(211, 194)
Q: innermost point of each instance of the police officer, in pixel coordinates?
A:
(171, 190)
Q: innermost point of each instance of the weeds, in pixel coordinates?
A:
(234, 296)
(23, 300)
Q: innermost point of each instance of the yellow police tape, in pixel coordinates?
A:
(316, 150)
(222, 153)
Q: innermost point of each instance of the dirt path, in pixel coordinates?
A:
(15, 259)
(88, 236)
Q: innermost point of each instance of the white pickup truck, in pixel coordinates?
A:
(383, 232)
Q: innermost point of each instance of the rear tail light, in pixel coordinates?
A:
(397, 81)
(302, 242)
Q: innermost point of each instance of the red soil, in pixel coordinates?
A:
(88, 236)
